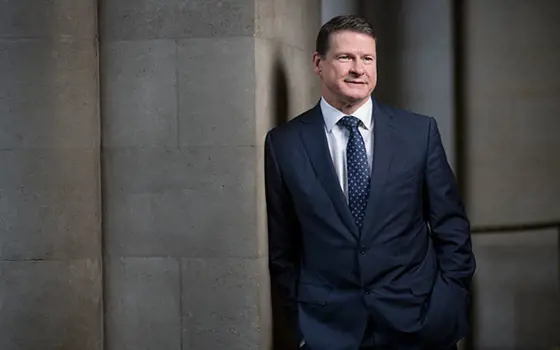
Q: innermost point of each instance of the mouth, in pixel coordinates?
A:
(352, 82)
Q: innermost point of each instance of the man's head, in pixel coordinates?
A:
(345, 60)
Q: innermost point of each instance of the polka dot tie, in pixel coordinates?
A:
(357, 169)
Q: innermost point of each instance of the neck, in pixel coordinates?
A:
(347, 107)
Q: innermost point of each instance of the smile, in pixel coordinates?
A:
(355, 82)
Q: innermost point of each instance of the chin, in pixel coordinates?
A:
(353, 98)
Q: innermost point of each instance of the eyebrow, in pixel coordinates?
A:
(345, 53)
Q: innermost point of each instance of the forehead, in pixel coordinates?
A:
(346, 40)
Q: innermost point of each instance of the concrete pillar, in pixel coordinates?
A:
(188, 90)
(332, 8)
(415, 59)
(285, 87)
(517, 290)
(513, 169)
(512, 88)
(50, 242)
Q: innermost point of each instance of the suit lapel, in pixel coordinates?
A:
(315, 142)
(383, 150)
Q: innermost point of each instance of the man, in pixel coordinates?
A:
(368, 239)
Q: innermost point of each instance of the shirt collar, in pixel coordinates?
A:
(332, 115)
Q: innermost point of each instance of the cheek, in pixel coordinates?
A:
(338, 71)
(336, 76)
(341, 75)
(373, 78)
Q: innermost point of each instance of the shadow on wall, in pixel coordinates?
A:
(282, 335)
(460, 135)
(281, 104)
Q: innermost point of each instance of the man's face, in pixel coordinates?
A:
(348, 71)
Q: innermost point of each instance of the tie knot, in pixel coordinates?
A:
(349, 122)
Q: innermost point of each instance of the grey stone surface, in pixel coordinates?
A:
(50, 268)
(49, 204)
(303, 93)
(149, 19)
(133, 171)
(48, 94)
(536, 21)
(221, 303)
(285, 87)
(50, 305)
(271, 106)
(509, 187)
(271, 81)
(264, 302)
(72, 171)
(511, 76)
(198, 197)
(285, 84)
(535, 309)
(261, 215)
(512, 92)
(264, 18)
(516, 290)
(331, 8)
(272, 19)
(139, 93)
(426, 22)
(143, 304)
(47, 18)
(426, 85)
(289, 22)
(217, 91)
(199, 201)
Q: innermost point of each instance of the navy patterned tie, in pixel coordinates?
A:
(357, 169)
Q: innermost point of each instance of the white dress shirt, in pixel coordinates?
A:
(337, 137)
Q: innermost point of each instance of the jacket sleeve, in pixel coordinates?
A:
(449, 224)
(284, 235)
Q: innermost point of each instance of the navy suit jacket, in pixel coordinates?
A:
(408, 269)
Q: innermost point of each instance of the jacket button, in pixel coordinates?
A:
(367, 292)
(363, 252)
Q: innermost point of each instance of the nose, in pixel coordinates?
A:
(358, 67)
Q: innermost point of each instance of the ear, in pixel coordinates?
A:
(317, 60)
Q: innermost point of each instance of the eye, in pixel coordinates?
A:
(369, 59)
(343, 58)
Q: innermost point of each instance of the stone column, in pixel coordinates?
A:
(331, 8)
(512, 89)
(512, 55)
(188, 90)
(285, 87)
(50, 242)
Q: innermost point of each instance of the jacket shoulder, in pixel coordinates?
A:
(405, 117)
(411, 129)
(290, 129)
